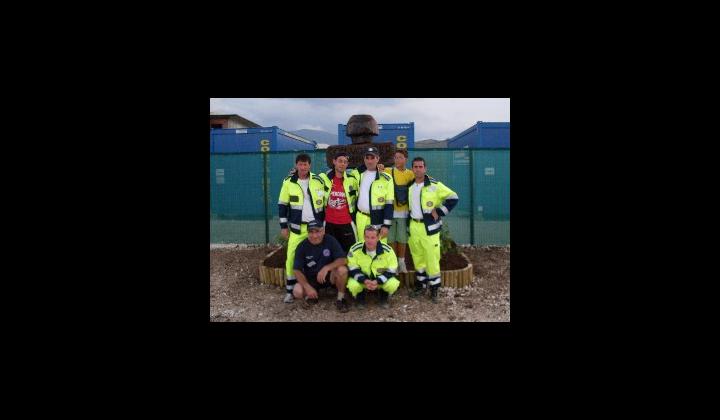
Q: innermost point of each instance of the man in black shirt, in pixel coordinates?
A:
(319, 263)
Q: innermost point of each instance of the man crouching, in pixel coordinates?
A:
(319, 263)
(372, 266)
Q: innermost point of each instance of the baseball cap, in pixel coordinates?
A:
(372, 151)
(314, 224)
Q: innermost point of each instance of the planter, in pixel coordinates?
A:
(449, 278)
(270, 275)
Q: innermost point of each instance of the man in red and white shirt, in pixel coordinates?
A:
(342, 199)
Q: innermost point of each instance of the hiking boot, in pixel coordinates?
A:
(360, 300)
(434, 294)
(342, 305)
(288, 298)
(384, 299)
(419, 290)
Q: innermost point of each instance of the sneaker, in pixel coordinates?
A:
(342, 305)
(288, 298)
(401, 266)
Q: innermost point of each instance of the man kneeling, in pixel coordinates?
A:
(372, 266)
(319, 263)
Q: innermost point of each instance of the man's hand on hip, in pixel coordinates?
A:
(384, 231)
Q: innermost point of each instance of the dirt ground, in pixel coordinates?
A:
(236, 293)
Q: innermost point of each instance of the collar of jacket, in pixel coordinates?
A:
(331, 174)
(295, 177)
(427, 181)
(378, 248)
(362, 168)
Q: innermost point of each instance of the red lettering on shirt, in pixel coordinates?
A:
(337, 211)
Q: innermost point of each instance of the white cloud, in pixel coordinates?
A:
(217, 106)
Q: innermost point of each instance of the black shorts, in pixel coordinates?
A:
(343, 233)
(314, 283)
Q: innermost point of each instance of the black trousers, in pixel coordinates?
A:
(343, 233)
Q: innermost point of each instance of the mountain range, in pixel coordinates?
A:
(431, 144)
(318, 135)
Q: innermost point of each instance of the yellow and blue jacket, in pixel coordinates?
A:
(350, 184)
(292, 199)
(433, 195)
(362, 266)
(382, 197)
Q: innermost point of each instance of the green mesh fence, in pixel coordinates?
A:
(244, 190)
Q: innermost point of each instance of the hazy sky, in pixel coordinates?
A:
(436, 118)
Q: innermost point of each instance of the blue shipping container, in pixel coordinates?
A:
(483, 135)
(262, 139)
(402, 135)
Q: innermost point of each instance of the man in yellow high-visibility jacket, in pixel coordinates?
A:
(342, 196)
(372, 265)
(302, 199)
(429, 201)
(375, 197)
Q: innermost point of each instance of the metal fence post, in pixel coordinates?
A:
(472, 198)
(265, 196)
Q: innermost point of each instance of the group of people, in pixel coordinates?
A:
(339, 223)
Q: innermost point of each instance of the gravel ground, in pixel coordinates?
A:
(236, 293)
